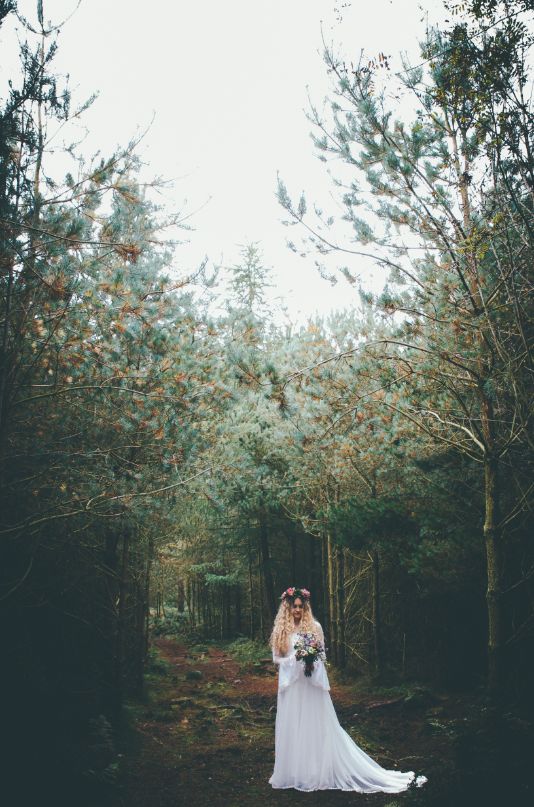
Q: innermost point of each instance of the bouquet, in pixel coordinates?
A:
(308, 649)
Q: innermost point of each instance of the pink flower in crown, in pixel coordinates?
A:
(289, 592)
(305, 593)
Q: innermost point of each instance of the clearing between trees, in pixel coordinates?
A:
(205, 733)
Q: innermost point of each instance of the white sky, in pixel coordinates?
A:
(227, 84)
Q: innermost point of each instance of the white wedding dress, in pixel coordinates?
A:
(312, 750)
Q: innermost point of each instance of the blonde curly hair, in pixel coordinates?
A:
(284, 625)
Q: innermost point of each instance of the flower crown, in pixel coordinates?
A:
(292, 593)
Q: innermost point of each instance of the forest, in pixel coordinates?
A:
(172, 458)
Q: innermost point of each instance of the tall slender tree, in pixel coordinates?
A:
(452, 203)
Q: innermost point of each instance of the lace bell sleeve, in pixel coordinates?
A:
(288, 669)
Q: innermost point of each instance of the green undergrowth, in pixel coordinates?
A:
(174, 624)
(201, 648)
(247, 651)
(156, 666)
(411, 692)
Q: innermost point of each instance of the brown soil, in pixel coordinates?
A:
(205, 735)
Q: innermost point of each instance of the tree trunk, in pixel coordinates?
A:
(188, 600)
(340, 574)
(147, 612)
(266, 567)
(180, 599)
(261, 589)
(293, 539)
(494, 552)
(121, 620)
(494, 575)
(228, 612)
(332, 599)
(209, 606)
(314, 583)
(377, 627)
(205, 619)
(141, 610)
(111, 562)
(250, 591)
(237, 609)
(148, 573)
(324, 580)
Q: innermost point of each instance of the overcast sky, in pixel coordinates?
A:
(226, 83)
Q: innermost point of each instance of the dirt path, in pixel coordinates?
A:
(206, 735)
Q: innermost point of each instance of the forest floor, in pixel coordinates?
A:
(205, 733)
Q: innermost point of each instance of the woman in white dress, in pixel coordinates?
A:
(312, 750)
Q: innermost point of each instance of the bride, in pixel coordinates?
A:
(312, 750)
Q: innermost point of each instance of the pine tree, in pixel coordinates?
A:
(452, 201)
